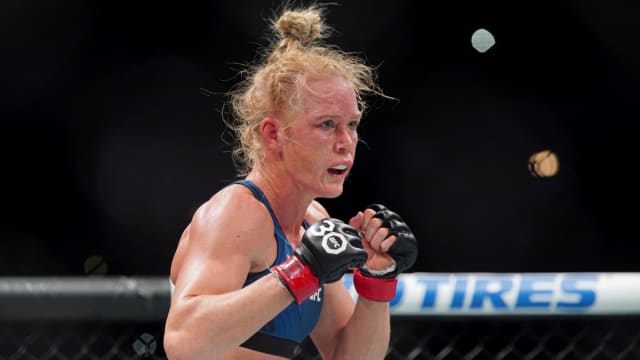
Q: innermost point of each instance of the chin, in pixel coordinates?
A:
(332, 192)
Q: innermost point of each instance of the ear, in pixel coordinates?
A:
(269, 132)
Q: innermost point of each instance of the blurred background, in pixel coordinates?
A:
(111, 131)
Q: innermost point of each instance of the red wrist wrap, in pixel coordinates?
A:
(297, 278)
(376, 289)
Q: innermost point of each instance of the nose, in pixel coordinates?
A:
(346, 139)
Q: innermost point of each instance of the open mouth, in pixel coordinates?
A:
(338, 170)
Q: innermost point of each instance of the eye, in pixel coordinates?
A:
(353, 125)
(328, 124)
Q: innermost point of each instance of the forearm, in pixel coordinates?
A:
(366, 335)
(206, 326)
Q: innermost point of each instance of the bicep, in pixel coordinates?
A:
(337, 309)
(208, 269)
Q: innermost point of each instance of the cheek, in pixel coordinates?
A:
(314, 141)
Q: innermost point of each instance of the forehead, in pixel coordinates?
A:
(333, 94)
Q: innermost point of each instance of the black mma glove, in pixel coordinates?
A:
(380, 285)
(328, 249)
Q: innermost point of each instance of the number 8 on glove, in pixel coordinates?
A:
(327, 250)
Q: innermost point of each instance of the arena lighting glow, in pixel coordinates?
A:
(482, 40)
(544, 164)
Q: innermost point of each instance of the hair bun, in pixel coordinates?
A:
(304, 26)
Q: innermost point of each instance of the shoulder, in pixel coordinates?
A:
(233, 203)
(316, 212)
(232, 215)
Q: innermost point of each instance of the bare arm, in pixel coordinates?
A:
(345, 331)
(210, 311)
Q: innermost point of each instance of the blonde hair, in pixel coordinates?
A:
(278, 82)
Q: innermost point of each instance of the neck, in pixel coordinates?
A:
(288, 200)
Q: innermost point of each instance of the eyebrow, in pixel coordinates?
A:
(357, 116)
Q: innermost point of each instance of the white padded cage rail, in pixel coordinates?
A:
(418, 294)
(474, 316)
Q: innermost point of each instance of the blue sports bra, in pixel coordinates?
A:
(284, 334)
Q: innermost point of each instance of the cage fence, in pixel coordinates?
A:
(124, 319)
(412, 338)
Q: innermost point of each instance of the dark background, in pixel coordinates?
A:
(112, 135)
